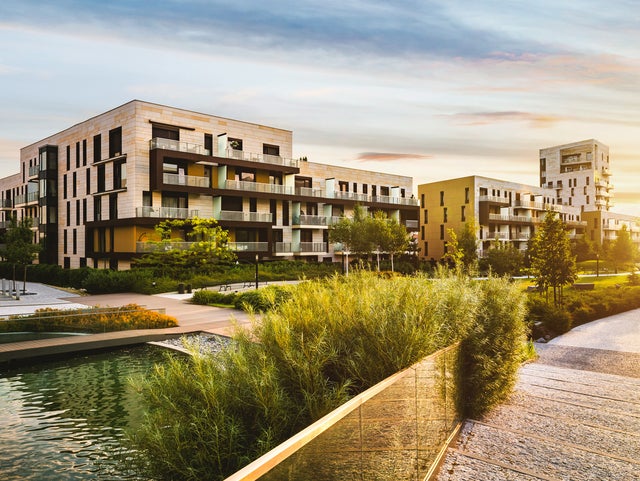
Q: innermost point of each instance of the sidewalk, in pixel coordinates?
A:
(574, 415)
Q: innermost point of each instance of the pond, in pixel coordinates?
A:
(64, 419)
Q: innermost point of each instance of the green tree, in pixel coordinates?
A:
(355, 234)
(504, 259)
(207, 246)
(552, 262)
(583, 248)
(622, 251)
(468, 245)
(454, 255)
(19, 249)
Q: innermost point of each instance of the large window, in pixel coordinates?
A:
(115, 142)
(268, 149)
(101, 178)
(97, 148)
(165, 132)
(119, 174)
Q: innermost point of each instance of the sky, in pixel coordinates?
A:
(428, 89)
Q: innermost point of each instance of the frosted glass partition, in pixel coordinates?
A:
(394, 430)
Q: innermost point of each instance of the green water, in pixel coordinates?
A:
(65, 419)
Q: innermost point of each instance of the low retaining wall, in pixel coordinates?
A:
(394, 430)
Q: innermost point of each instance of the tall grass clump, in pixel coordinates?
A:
(327, 341)
(495, 347)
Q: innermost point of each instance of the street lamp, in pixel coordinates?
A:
(256, 271)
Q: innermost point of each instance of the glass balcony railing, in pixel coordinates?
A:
(33, 170)
(300, 247)
(514, 218)
(165, 212)
(493, 198)
(258, 187)
(168, 144)
(6, 203)
(315, 220)
(186, 180)
(262, 158)
(310, 192)
(249, 246)
(232, 215)
(411, 224)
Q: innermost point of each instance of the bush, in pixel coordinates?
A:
(90, 320)
(262, 300)
(554, 318)
(321, 343)
(205, 298)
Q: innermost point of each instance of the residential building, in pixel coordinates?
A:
(580, 173)
(98, 188)
(499, 210)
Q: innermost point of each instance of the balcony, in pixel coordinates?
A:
(514, 218)
(262, 158)
(411, 224)
(167, 144)
(494, 199)
(385, 199)
(6, 203)
(249, 246)
(165, 212)
(576, 236)
(312, 220)
(606, 173)
(33, 170)
(245, 186)
(498, 235)
(300, 247)
(186, 180)
(351, 196)
(310, 192)
(238, 216)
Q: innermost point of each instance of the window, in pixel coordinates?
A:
(426, 248)
(285, 212)
(74, 185)
(97, 148)
(422, 200)
(64, 186)
(441, 231)
(235, 144)
(365, 189)
(355, 188)
(68, 157)
(113, 206)
(64, 242)
(84, 152)
(442, 197)
(268, 149)
(253, 204)
(587, 180)
(444, 215)
(208, 143)
(77, 212)
(101, 177)
(84, 211)
(97, 208)
(343, 186)
(273, 209)
(77, 154)
(426, 216)
(446, 247)
(384, 191)
(466, 195)
(75, 241)
(88, 181)
(147, 199)
(422, 233)
(587, 199)
(119, 174)
(68, 213)
(165, 132)
(115, 142)
(462, 213)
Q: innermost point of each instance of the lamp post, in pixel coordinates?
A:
(256, 271)
(597, 265)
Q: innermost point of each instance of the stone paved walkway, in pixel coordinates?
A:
(574, 415)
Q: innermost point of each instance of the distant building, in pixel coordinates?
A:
(574, 182)
(96, 189)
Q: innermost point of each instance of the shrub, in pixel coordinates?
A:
(90, 320)
(261, 300)
(205, 297)
(495, 346)
(320, 344)
(554, 318)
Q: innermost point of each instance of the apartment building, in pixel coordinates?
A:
(580, 174)
(500, 211)
(97, 189)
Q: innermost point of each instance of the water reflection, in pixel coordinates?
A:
(64, 419)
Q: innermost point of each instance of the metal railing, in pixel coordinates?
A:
(514, 218)
(262, 158)
(6, 203)
(310, 192)
(239, 216)
(498, 235)
(411, 224)
(249, 246)
(493, 198)
(168, 144)
(165, 212)
(33, 170)
(258, 187)
(186, 180)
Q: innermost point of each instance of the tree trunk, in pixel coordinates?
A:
(392, 262)
(14, 278)
(24, 283)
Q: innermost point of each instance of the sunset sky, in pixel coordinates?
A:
(430, 89)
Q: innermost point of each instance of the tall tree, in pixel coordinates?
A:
(468, 245)
(622, 251)
(19, 249)
(454, 254)
(552, 261)
(207, 245)
(354, 234)
(504, 259)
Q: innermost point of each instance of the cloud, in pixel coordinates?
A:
(388, 156)
(487, 118)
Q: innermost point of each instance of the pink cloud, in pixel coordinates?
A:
(388, 156)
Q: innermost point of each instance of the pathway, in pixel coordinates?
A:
(574, 415)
